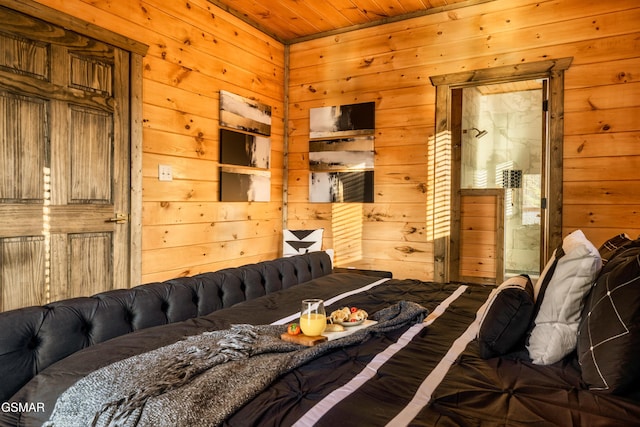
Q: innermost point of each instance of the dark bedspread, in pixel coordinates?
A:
(386, 379)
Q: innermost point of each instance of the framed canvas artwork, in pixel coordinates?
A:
(237, 185)
(341, 153)
(245, 149)
(237, 112)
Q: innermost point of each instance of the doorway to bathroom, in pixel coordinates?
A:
(454, 236)
(502, 134)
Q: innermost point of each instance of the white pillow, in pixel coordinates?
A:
(331, 253)
(554, 333)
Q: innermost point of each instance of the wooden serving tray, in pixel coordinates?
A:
(303, 339)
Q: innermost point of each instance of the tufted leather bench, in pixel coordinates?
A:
(33, 338)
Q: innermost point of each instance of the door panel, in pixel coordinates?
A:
(65, 163)
(23, 263)
(90, 142)
(481, 235)
(92, 252)
(24, 147)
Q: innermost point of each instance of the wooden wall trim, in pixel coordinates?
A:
(441, 244)
(135, 212)
(243, 17)
(555, 151)
(526, 71)
(285, 141)
(72, 23)
(455, 125)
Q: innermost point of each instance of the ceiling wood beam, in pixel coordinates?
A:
(389, 19)
(247, 20)
(385, 20)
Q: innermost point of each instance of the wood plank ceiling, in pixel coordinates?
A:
(291, 21)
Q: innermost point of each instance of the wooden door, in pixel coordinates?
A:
(64, 163)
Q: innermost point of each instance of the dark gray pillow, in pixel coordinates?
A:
(609, 331)
(614, 245)
(506, 318)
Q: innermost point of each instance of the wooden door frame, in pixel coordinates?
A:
(137, 51)
(444, 138)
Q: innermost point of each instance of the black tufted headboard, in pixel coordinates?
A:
(33, 338)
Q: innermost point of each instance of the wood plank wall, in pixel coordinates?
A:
(196, 50)
(391, 65)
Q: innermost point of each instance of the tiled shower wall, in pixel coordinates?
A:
(513, 122)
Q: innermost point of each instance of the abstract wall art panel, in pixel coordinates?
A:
(342, 153)
(350, 143)
(242, 185)
(244, 149)
(237, 112)
(340, 160)
(341, 187)
(341, 120)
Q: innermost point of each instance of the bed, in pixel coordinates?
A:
(423, 363)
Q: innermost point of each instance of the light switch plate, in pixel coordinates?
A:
(165, 173)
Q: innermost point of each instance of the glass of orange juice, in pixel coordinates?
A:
(313, 318)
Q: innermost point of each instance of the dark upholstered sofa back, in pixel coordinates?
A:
(35, 337)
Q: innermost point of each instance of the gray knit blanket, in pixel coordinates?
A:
(203, 379)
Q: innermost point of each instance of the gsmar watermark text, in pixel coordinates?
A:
(22, 407)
